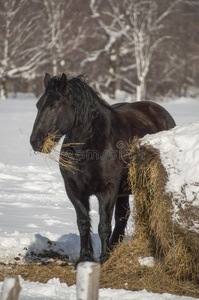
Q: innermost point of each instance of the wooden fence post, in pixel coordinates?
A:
(11, 288)
(87, 280)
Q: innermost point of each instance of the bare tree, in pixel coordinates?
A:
(121, 43)
(133, 29)
(62, 32)
(110, 29)
(19, 53)
(54, 30)
(146, 23)
(32, 41)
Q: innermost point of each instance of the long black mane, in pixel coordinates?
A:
(79, 90)
(86, 102)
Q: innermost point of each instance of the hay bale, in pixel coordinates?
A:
(177, 246)
(164, 178)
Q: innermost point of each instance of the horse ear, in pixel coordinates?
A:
(63, 83)
(47, 78)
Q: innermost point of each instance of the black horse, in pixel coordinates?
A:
(72, 108)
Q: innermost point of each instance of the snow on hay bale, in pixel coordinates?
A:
(164, 177)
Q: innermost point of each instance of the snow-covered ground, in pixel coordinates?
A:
(34, 207)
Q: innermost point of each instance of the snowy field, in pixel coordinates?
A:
(34, 208)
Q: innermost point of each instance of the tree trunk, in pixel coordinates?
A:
(115, 63)
(55, 71)
(141, 90)
(3, 88)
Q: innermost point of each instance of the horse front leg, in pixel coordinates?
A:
(84, 226)
(104, 228)
(80, 202)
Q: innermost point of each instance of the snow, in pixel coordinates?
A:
(35, 212)
(147, 261)
(55, 290)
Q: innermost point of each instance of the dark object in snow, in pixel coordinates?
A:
(96, 134)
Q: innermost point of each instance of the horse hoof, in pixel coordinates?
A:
(82, 259)
(104, 257)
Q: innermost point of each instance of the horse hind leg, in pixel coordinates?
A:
(122, 213)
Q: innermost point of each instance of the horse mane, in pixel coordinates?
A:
(80, 91)
(86, 102)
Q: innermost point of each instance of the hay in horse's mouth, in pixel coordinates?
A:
(49, 144)
(65, 159)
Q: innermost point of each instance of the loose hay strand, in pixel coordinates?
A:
(50, 142)
(65, 159)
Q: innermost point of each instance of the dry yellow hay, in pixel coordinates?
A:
(49, 144)
(176, 249)
(65, 159)
(41, 272)
(123, 271)
(154, 213)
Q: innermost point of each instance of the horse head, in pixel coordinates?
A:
(54, 116)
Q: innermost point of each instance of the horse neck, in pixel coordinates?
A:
(95, 131)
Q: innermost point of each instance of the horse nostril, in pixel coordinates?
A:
(36, 142)
(40, 138)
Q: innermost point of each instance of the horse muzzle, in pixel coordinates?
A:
(37, 142)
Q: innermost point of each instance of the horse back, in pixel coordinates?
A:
(144, 117)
